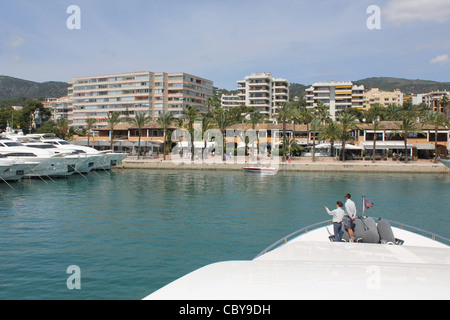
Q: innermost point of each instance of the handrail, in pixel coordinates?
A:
(432, 235)
(400, 225)
(285, 239)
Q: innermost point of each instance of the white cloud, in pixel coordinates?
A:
(401, 12)
(441, 59)
(16, 41)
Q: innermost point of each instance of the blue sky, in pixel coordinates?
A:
(302, 41)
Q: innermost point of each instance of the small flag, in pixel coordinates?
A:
(367, 204)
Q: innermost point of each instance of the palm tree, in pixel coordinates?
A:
(322, 111)
(140, 120)
(165, 121)
(373, 115)
(306, 118)
(444, 102)
(90, 123)
(330, 132)
(63, 127)
(315, 127)
(347, 125)
(284, 114)
(113, 119)
(223, 120)
(407, 126)
(436, 120)
(192, 114)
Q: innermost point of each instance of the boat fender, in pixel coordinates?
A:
(370, 236)
(385, 232)
(359, 228)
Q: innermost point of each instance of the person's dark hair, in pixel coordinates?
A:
(348, 195)
(339, 203)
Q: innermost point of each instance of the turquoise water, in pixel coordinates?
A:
(131, 232)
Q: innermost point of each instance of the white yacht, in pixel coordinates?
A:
(105, 159)
(13, 170)
(386, 262)
(81, 163)
(446, 162)
(50, 163)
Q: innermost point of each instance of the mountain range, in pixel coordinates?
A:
(14, 88)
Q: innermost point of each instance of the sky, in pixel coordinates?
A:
(226, 40)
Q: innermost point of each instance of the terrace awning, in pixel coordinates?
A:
(384, 145)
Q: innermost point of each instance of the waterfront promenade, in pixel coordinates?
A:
(321, 164)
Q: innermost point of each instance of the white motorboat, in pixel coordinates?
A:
(13, 170)
(105, 159)
(50, 164)
(390, 263)
(261, 169)
(81, 163)
(446, 162)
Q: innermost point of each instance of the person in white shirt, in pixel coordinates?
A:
(350, 216)
(338, 214)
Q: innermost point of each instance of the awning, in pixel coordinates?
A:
(384, 145)
(337, 145)
(424, 146)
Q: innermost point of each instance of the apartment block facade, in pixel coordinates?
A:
(336, 96)
(384, 98)
(259, 90)
(153, 93)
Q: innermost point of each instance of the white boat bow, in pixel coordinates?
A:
(310, 266)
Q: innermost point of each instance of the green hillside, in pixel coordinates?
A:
(14, 88)
(405, 85)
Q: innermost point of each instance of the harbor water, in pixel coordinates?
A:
(130, 232)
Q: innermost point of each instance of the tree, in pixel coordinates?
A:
(140, 120)
(322, 111)
(113, 119)
(63, 127)
(284, 114)
(405, 127)
(436, 120)
(223, 120)
(191, 114)
(330, 132)
(347, 124)
(165, 121)
(444, 102)
(315, 127)
(374, 114)
(90, 123)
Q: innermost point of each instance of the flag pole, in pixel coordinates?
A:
(363, 205)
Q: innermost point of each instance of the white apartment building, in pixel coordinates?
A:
(336, 96)
(259, 90)
(154, 93)
(60, 107)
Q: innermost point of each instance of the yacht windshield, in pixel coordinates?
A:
(12, 144)
(41, 146)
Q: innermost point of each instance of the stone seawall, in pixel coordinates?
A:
(350, 166)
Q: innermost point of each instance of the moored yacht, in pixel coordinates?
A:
(50, 163)
(446, 162)
(81, 163)
(106, 159)
(13, 170)
(385, 262)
